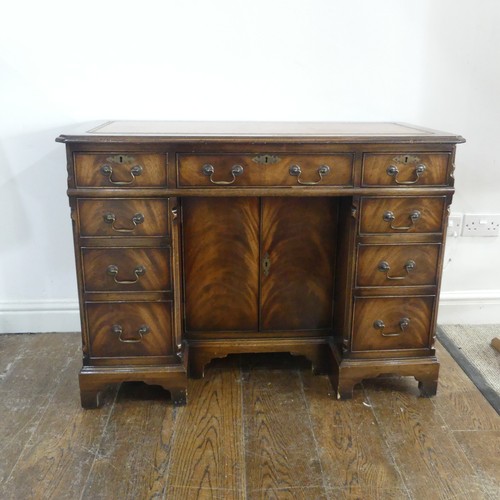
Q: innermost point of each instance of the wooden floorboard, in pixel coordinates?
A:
(28, 383)
(131, 462)
(352, 449)
(255, 427)
(207, 454)
(282, 459)
(421, 443)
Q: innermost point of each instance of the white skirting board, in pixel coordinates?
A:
(39, 316)
(473, 307)
(468, 307)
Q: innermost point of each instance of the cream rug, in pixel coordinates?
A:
(470, 346)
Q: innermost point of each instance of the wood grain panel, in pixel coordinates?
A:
(299, 235)
(435, 174)
(397, 257)
(131, 316)
(276, 172)
(92, 215)
(153, 170)
(431, 215)
(221, 259)
(154, 261)
(391, 310)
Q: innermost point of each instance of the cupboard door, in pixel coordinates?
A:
(221, 259)
(297, 263)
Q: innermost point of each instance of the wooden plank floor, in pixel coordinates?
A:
(255, 427)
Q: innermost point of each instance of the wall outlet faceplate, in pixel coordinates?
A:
(455, 225)
(481, 225)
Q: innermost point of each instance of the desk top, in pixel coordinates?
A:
(324, 132)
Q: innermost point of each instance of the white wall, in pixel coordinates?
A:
(432, 62)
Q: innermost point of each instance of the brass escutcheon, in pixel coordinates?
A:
(266, 159)
(266, 264)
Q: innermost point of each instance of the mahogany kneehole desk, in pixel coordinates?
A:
(197, 240)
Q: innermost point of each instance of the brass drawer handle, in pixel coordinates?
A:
(296, 171)
(139, 271)
(404, 323)
(107, 171)
(384, 267)
(390, 217)
(110, 218)
(209, 171)
(118, 330)
(393, 171)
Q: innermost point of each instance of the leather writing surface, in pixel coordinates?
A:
(255, 128)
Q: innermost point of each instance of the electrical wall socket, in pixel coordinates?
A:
(481, 225)
(454, 225)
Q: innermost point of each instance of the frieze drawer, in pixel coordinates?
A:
(122, 170)
(406, 169)
(253, 170)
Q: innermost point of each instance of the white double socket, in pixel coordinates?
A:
(481, 225)
(473, 225)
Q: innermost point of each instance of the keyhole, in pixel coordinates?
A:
(121, 159)
(406, 159)
(266, 264)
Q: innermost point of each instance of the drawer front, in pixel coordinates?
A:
(130, 329)
(127, 170)
(397, 265)
(126, 269)
(405, 169)
(402, 215)
(250, 170)
(123, 217)
(386, 323)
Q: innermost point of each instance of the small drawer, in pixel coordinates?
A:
(130, 329)
(122, 170)
(402, 215)
(405, 169)
(123, 217)
(253, 170)
(386, 323)
(126, 269)
(397, 265)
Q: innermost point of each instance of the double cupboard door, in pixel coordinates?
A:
(258, 265)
